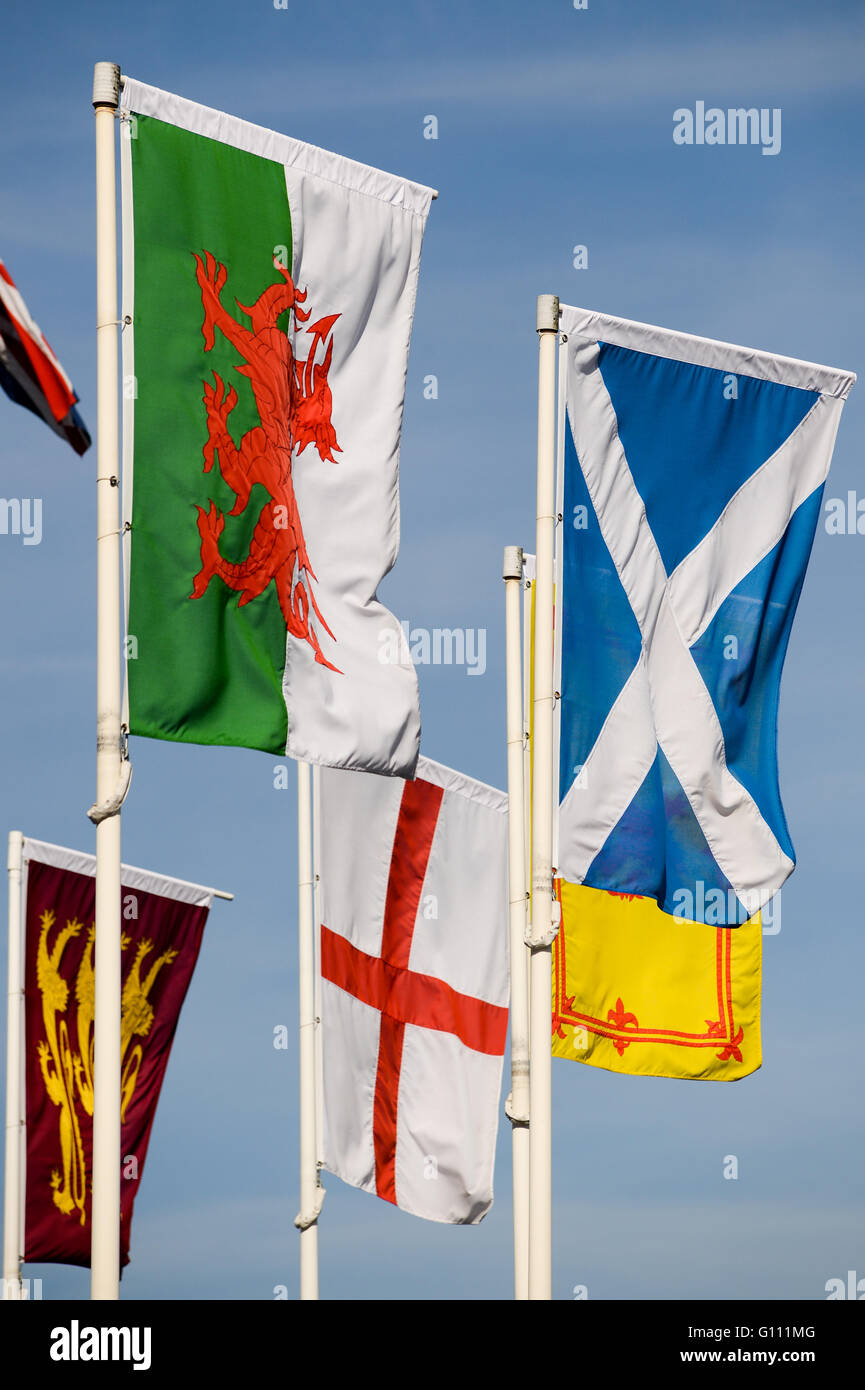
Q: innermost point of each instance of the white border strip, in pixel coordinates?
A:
(558, 584)
(451, 781)
(142, 880)
(136, 96)
(127, 368)
(705, 352)
(22, 1095)
(316, 902)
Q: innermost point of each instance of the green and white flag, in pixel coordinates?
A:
(269, 290)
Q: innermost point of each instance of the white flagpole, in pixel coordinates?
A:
(316, 905)
(13, 1175)
(517, 1104)
(105, 1243)
(528, 655)
(543, 929)
(311, 1194)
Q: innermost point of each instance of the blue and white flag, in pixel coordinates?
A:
(693, 478)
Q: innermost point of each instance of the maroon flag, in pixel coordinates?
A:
(162, 922)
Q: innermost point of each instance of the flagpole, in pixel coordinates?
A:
(105, 1225)
(542, 930)
(316, 934)
(13, 1175)
(517, 1104)
(311, 1195)
(528, 654)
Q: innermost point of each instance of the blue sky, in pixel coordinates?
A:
(555, 129)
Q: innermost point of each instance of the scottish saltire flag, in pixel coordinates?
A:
(693, 477)
(30, 374)
(269, 291)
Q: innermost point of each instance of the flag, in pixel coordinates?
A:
(414, 986)
(270, 287)
(641, 991)
(650, 993)
(162, 922)
(693, 478)
(30, 373)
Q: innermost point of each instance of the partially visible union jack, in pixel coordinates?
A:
(29, 371)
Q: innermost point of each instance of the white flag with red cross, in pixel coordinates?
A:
(414, 986)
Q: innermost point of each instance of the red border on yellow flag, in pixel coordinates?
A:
(639, 991)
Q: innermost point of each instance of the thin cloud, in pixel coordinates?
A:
(802, 64)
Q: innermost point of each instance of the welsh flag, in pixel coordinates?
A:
(269, 290)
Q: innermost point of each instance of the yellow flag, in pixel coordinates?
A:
(636, 990)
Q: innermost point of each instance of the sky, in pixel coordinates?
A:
(555, 130)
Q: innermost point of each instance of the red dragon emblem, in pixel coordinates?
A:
(294, 405)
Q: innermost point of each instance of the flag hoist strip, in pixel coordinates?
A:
(414, 986)
(693, 474)
(268, 297)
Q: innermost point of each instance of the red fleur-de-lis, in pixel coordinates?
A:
(620, 1019)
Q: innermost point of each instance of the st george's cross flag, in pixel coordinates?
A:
(414, 986)
(30, 374)
(162, 922)
(693, 479)
(269, 290)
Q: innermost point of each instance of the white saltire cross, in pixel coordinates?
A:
(665, 701)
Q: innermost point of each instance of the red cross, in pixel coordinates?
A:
(401, 995)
